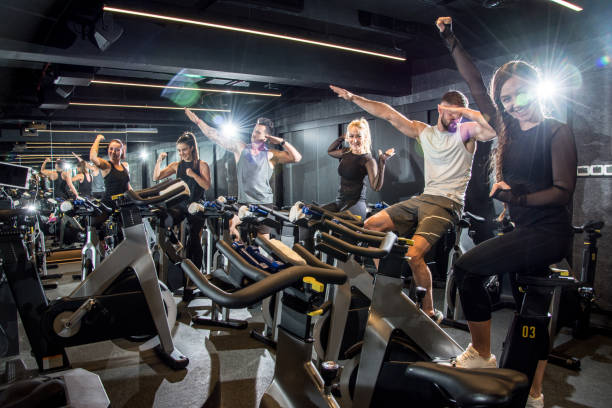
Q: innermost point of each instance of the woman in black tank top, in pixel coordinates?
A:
(83, 177)
(356, 163)
(115, 171)
(196, 174)
(60, 179)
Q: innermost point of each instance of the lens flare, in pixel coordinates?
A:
(603, 61)
(524, 99)
(229, 130)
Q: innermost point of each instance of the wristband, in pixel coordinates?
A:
(281, 144)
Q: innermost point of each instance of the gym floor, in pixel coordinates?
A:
(134, 377)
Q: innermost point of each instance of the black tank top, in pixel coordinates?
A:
(61, 187)
(353, 172)
(197, 192)
(116, 182)
(85, 186)
(527, 168)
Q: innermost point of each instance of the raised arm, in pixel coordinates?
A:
(564, 161)
(288, 155)
(159, 174)
(468, 70)
(410, 128)
(479, 129)
(234, 146)
(335, 149)
(93, 155)
(87, 165)
(49, 173)
(376, 172)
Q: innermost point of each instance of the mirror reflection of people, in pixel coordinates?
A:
(83, 176)
(115, 170)
(356, 166)
(196, 174)
(254, 163)
(60, 178)
(535, 174)
(448, 148)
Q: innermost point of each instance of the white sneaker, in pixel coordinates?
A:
(535, 402)
(471, 359)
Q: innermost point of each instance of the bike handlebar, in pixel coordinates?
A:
(382, 251)
(261, 289)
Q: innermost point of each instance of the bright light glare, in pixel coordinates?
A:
(144, 154)
(546, 89)
(229, 130)
(67, 166)
(31, 207)
(568, 5)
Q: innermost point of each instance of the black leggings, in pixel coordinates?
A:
(523, 251)
(194, 245)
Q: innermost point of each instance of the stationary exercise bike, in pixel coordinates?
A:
(120, 298)
(398, 332)
(92, 252)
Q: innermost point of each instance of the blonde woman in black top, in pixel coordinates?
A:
(357, 163)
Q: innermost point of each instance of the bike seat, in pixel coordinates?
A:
(490, 387)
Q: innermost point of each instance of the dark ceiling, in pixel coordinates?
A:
(43, 40)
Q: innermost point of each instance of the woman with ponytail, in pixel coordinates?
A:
(115, 171)
(357, 163)
(535, 176)
(196, 174)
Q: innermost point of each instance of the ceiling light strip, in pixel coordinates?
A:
(93, 131)
(227, 91)
(568, 5)
(113, 105)
(250, 31)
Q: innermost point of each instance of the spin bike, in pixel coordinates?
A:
(120, 298)
(399, 345)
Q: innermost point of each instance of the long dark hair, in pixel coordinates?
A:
(82, 167)
(189, 139)
(506, 124)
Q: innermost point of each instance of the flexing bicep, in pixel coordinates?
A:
(335, 149)
(168, 171)
(281, 157)
(482, 132)
(101, 163)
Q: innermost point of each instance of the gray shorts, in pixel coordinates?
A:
(426, 215)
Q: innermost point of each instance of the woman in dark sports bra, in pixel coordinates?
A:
(196, 174)
(115, 171)
(356, 162)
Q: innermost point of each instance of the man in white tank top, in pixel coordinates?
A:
(448, 148)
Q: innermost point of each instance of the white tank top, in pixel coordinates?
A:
(448, 164)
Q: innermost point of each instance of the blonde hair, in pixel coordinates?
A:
(362, 125)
